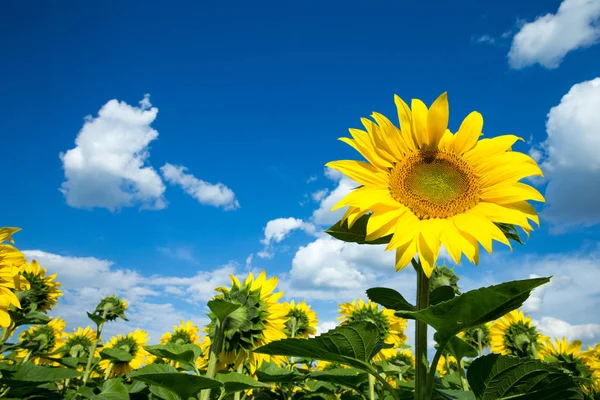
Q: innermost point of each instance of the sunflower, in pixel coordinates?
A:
(302, 321)
(43, 292)
(40, 342)
(133, 343)
(185, 333)
(514, 335)
(428, 187)
(111, 308)
(447, 365)
(262, 318)
(321, 365)
(78, 342)
(478, 337)
(592, 358)
(569, 358)
(404, 358)
(202, 361)
(11, 260)
(390, 327)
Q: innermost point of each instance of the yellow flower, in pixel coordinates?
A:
(569, 357)
(265, 315)
(428, 187)
(302, 321)
(185, 333)
(592, 358)
(404, 358)
(43, 291)
(514, 335)
(78, 342)
(390, 327)
(202, 361)
(133, 343)
(11, 260)
(42, 342)
(446, 365)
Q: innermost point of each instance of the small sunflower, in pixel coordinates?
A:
(515, 335)
(133, 343)
(185, 333)
(321, 365)
(478, 337)
(592, 357)
(302, 321)
(43, 292)
(264, 321)
(429, 187)
(446, 365)
(569, 358)
(111, 307)
(202, 361)
(11, 260)
(404, 358)
(40, 342)
(390, 327)
(78, 342)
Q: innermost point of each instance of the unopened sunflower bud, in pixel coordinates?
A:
(111, 308)
(443, 276)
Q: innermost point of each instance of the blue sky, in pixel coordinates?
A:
(250, 101)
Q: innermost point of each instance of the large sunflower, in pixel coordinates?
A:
(11, 260)
(43, 292)
(185, 333)
(390, 327)
(514, 335)
(569, 357)
(428, 187)
(133, 343)
(40, 342)
(302, 321)
(263, 321)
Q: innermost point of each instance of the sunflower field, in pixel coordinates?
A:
(421, 186)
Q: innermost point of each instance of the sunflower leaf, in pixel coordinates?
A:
(184, 385)
(115, 355)
(458, 348)
(475, 307)
(271, 373)
(510, 231)
(357, 233)
(235, 382)
(113, 389)
(351, 378)
(440, 294)
(389, 298)
(222, 308)
(351, 344)
(96, 318)
(182, 353)
(502, 377)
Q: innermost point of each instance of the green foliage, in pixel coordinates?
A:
(115, 354)
(440, 294)
(234, 382)
(356, 234)
(348, 377)
(270, 372)
(475, 307)
(187, 354)
(113, 389)
(502, 377)
(389, 298)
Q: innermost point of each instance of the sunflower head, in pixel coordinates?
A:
(404, 358)
(41, 341)
(321, 365)
(43, 291)
(515, 335)
(133, 343)
(390, 327)
(185, 333)
(446, 365)
(427, 186)
(443, 276)
(11, 260)
(302, 321)
(478, 336)
(111, 307)
(259, 320)
(78, 342)
(568, 357)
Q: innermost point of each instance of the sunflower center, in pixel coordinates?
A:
(434, 184)
(374, 316)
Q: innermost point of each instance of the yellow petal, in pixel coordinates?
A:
(447, 141)
(405, 230)
(468, 133)
(510, 193)
(359, 171)
(510, 173)
(393, 137)
(427, 257)
(419, 123)
(487, 148)
(437, 119)
(405, 253)
(451, 239)
(405, 118)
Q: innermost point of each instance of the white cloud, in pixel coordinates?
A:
(106, 169)
(549, 38)
(333, 174)
(556, 328)
(319, 194)
(265, 254)
(178, 253)
(485, 39)
(312, 178)
(570, 159)
(276, 230)
(323, 215)
(217, 195)
(249, 260)
(326, 326)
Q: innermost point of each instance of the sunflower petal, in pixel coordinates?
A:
(359, 171)
(468, 133)
(405, 118)
(437, 119)
(419, 123)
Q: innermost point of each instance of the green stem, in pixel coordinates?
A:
(371, 387)
(88, 366)
(421, 334)
(27, 356)
(479, 345)
(5, 335)
(108, 371)
(432, 369)
(385, 383)
(215, 350)
(240, 370)
(463, 378)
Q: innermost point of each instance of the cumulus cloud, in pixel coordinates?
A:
(217, 195)
(557, 328)
(548, 39)
(323, 215)
(570, 159)
(278, 229)
(107, 167)
(319, 194)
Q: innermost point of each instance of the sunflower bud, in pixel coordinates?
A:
(443, 276)
(111, 308)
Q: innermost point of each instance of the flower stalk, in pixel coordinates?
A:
(421, 334)
(88, 367)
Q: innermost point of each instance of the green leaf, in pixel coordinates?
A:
(221, 308)
(163, 375)
(114, 354)
(96, 318)
(113, 389)
(163, 393)
(389, 298)
(234, 382)
(182, 353)
(356, 234)
(29, 372)
(136, 386)
(510, 231)
(502, 377)
(271, 373)
(31, 318)
(454, 394)
(73, 362)
(474, 307)
(348, 377)
(459, 348)
(351, 344)
(440, 294)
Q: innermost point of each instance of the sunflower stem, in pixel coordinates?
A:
(432, 369)
(240, 370)
(27, 357)
(463, 377)
(371, 387)
(386, 385)
(212, 359)
(88, 366)
(5, 335)
(421, 334)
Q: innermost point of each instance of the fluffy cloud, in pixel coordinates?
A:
(278, 229)
(323, 215)
(570, 158)
(556, 328)
(549, 38)
(217, 195)
(107, 168)
(319, 194)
